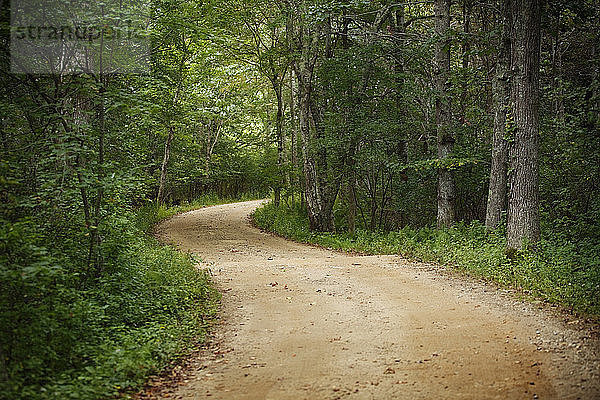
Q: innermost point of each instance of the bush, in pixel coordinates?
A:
(65, 336)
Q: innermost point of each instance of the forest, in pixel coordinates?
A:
(461, 132)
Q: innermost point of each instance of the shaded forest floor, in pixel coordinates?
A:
(303, 322)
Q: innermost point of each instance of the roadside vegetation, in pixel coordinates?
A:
(90, 161)
(68, 334)
(148, 216)
(557, 270)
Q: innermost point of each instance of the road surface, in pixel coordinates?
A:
(301, 322)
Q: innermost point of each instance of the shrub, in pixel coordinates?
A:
(64, 335)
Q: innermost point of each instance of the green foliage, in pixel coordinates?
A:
(90, 306)
(62, 336)
(148, 216)
(557, 270)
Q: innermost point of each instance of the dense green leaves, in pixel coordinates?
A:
(373, 133)
(60, 340)
(89, 305)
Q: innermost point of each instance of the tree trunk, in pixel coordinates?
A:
(486, 21)
(466, 47)
(167, 153)
(351, 205)
(523, 205)
(163, 168)
(277, 83)
(294, 133)
(319, 202)
(595, 122)
(97, 257)
(399, 21)
(320, 189)
(207, 155)
(212, 137)
(557, 74)
(498, 180)
(373, 181)
(445, 140)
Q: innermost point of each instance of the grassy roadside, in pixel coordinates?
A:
(63, 336)
(559, 271)
(147, 217)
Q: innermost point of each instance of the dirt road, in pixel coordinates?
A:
(300, 322)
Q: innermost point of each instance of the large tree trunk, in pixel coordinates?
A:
(399, 21)
(320, 189)
(446, 192)
(595, 122)
(351, 170)
(466, 47)
(523, 204)
(319, 196)
(498, 180)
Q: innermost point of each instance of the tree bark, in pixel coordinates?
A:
(399, 21)
(523, 206)
(466, 47)
(351, 205)
(498, 180)
(213, 132)
(320, 189)
(486, 21)
(319, 201)
(446, 191)
(97, 259)
(595, 122)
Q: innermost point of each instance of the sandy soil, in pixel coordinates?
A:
(300, 322)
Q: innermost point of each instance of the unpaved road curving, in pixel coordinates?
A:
(300, 322)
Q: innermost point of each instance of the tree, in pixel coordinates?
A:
(305, 37)
(174, 67)
(445, 139)
(523, 222)
(496, 202)
(267, 45)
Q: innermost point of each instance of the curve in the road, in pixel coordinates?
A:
(301, 322)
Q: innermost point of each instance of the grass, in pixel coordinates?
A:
(148, 216)
(558, 271)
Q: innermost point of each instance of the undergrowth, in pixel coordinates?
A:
(70, 333)
(558, 270)
(148, 216)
